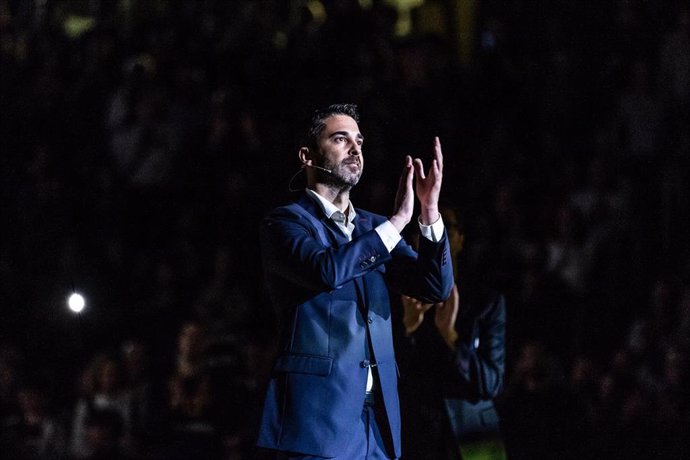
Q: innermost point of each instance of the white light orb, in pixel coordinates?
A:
(76, 303)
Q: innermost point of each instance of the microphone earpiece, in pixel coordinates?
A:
(305, 165)
(317, 167)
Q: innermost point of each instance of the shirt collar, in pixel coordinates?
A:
(332, 211)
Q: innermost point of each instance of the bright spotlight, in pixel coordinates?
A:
(76, 303)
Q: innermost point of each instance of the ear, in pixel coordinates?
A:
(304, 156)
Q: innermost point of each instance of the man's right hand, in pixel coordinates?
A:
(404, 200)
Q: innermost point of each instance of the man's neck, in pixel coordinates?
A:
(339, 196)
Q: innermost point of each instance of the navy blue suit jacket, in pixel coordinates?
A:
(329, 294)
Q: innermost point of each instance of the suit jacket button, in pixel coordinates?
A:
(373, 259)
(364, 363)
(370, 319)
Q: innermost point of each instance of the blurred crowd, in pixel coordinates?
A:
(142, 141)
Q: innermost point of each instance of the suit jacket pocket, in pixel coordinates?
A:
(304, 364)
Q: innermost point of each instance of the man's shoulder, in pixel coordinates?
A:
(288, 208)
(288, 211)
(296, 207)
(301, 212)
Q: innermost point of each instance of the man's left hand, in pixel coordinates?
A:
(428, 187)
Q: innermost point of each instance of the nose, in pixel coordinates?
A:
(355, 149)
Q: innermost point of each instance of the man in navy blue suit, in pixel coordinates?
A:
(329, 268)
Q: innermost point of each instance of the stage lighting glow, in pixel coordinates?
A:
(76, 303)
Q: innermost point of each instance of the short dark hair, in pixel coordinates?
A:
(317, 122)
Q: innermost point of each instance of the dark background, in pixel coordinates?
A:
(142, 141)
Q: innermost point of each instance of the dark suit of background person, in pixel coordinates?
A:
(332, 298)
(444, 356)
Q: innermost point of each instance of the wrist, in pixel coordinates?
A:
(398, 222)
(429, 215)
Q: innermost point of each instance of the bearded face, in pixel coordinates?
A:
(345, 173)
(340, 151)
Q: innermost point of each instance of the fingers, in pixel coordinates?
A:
(406, 176)
(409, 170)
(404, 199)
(438, 153)
(408, 166)
(419, 168)
(411, 303)
(435, 168)
(405, 194)
(437, 163)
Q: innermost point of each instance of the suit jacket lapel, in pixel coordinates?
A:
(335, 235)
(362, 225)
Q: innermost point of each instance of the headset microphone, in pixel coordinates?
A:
(329, 171)
(290, 188)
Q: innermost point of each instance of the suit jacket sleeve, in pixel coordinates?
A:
(427, 275)
(293, 251)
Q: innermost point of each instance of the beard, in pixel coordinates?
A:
(342, 174)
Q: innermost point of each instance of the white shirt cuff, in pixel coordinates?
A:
(388, 234)
(433, 232)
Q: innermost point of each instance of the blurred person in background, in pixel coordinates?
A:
(192, 410)
(104, 398)
(147, 402)
(103, 431)
(35, 434)
(452, 367)
(11, 362)
(542, 418)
